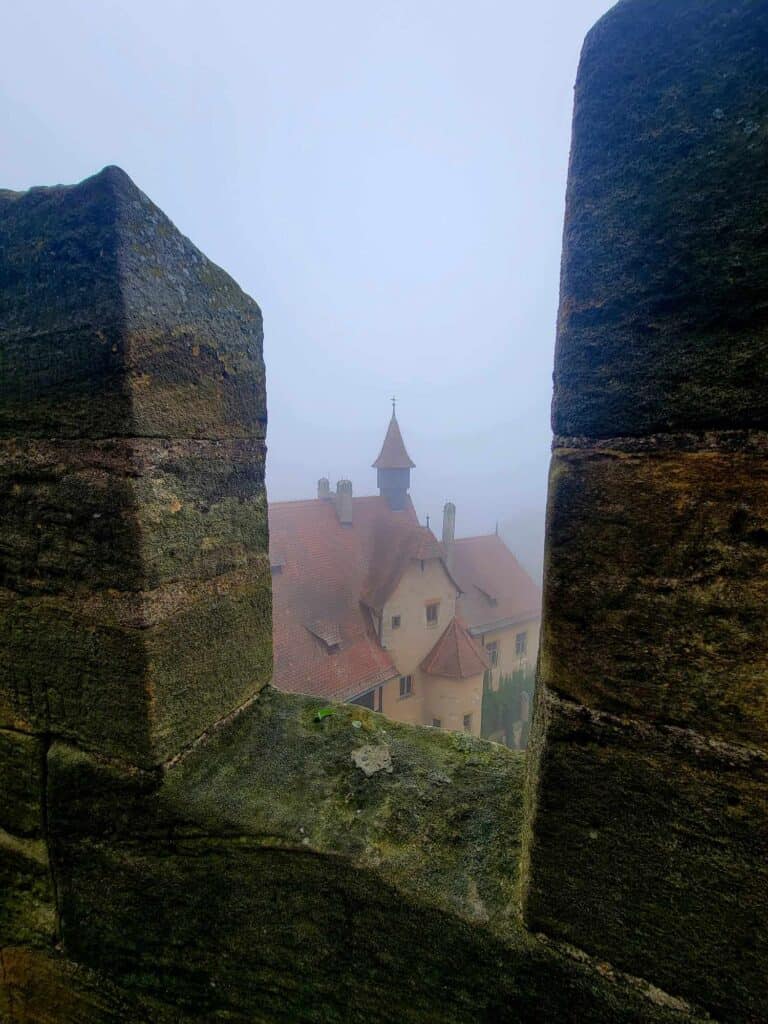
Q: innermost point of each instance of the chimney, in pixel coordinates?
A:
(449, 531)
(323, 487)
(344, 502)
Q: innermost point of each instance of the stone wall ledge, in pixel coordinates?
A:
(747, 442)
(263, 843)
(581, 724)
(645, 845)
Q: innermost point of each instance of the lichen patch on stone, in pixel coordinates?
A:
(371, 759)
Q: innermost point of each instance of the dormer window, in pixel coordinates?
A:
(489, 597)
(328, 633)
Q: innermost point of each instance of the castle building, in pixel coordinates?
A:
(370, 608)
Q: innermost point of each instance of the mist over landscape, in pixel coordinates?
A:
(386, 180)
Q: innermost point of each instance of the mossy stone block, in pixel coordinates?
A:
(43, 987)
(129, 514)
(136, 676)
(662, 322)
(27, 909)
(22, 774)
(656, 587)
(647, 847)
(263, 877)
(117, 325)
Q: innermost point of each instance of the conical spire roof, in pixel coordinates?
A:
(393, 454)
(455, 655)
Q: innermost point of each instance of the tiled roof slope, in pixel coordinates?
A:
(495, 587)
(393, 454)
(323, 634)
(392, 545)
(455, 655)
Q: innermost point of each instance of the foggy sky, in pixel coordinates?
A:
(385, 178)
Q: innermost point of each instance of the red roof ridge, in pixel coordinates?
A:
(482, 536)
(296, 501)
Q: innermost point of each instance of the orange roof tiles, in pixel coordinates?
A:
(393, 545)
(495, 587)
(393, 454)
(323, 633)
(455, 655)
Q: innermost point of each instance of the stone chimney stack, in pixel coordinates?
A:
(449, 531)
(323, 487)
(449, 523)
(344, 502)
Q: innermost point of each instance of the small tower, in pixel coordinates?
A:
(393, 466)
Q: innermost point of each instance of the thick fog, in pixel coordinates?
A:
(386, 179)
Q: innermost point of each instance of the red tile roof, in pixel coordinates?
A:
(455, 655)
(393, 544)
(331, 575)
(495, 587)
(393, 454)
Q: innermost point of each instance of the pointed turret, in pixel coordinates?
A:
(393, 466)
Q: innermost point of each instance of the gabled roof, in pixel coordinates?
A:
(331, 577)
(455, 655)
(395, 544)
(393, 454)
(495, 587)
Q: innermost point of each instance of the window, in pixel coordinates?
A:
(436, 723)
(366, 701)
(432, 610)
(379, 699)
(406, 686)
(395, 622)
(492, 650)
(521, 644)
(467, 723)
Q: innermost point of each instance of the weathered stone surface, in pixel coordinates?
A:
(134, 584)
(137, 676)
(27, 909)
(22, 774)
(38, 987)
(263, 876)
(663, 320)
(657, 586)
(117, 324)
(647, 847)
(128, 514)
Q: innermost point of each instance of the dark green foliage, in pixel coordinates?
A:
(503, 707)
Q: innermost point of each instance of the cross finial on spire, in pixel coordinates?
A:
(394, 402)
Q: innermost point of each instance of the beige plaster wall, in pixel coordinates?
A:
(403, 709)
(411, 643)
(449, 700)
(508, 661)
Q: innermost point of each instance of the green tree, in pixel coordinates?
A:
(503, 707)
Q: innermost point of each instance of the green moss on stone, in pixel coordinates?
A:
(264, 876)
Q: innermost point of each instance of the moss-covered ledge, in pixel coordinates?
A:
(295, 866)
